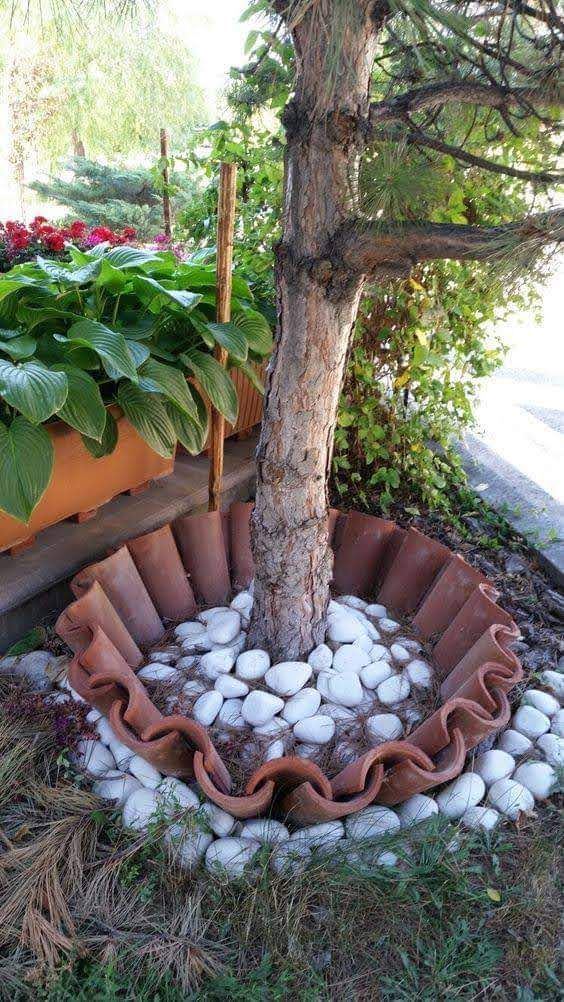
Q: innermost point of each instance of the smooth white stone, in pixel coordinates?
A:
(230, 687)
(116, 788)
(242, 603)
(165, 657)
(187, 845)
(252, 665)
(340, 714)
(412, 645)
(121, 753)
(400, 654)
(105, 732)
(365, 644)
(224, 626)
(274, 726)
(349, 658)
(274, 750)
(93, 716)
(94, 757)
(220, 822)
(333, 606)
(412, 716)
(33, 667)
(140, 809)
(353, 601)
(514, 742)
(480, 817)
(372, 632)
(188, 631)
(554, 680)
(260, 707)
(320, 658)
(345, 689)
(230, 855)
(177, 794)
(185, 663)
(304, 704)
(194, 688)
(387, 858)
(231, 713)
(366, 704)
(207, 614)
(322, 683)
(344, 629)
(542, 701)
(510, 797)
(288, 677)
(217, 663)
(198, 644)
(315, 836)
(146, 773)
(383, 727)
(537, 777)
(493, 765)
(464, 792)
(207, 707)
(317, 730)
(76, 696)
(371, 822)
(552, 747)
(376, 672)
(419, 673)
(157, 673)
(290, 857)
(265, 830)
(530, 722)
(380, 653)
(393, 690)
(557, 724)
(388, 625)
(417, 809)
(305, 750)
(377, 611)
(346, 753)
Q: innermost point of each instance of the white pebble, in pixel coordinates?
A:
(349, 658)
(185, 663)
(344, 629)
(267, 831)
(537, 777)
(146, 773)
(140, 809)
(419, 673)
(557, 724)
(274, 726)
(542, 701)
(188, 631)
(383, 727)
(363, 643)
(116, 788)
(387, 858)
(231, 713)
(374, 673)
(274, 750)
(177, 794)
(377, 611)
(155, 672)
(380, 653)
(353, 601)
(322, 683)
(317, 730)
(224, 626)
(417, 809)
(514, 742)
(93, 716)
(187, 845)
(480, 817)
(400, 654)
(554, 680)
(260, 707)
(393, 690)
(194, 688)
(306, 750)
(493, 765)
(315, 836)
(388, 625)
(345, 689)
(304, 704)
(340, 714)
(242, 602)
(288, 677)
(289, 857)
(372, 822)
(552, 748)
(230, 855)
(464, 792)
(217, 663)
(207, 707)
(510, 797)
(121, 753)
(105, 732)
(200, 643)
(164, 657)
(530, 722)
(230, 687)
(252, 665)
(320, 658)
(94, 758)
(208, 614)
(220, 822)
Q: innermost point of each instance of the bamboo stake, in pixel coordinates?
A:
(167, 215)
(225, 228)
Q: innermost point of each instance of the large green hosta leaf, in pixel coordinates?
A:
(214, 381)
(109, 439)
(110, 345)
(26, 464)
(129, 257)
(69, 275)
(190, 434)
(154, 377)
(34, 390)
(144, 284)
(84, 408)
(148, 416)
(18, 347)
(256, 330)
(232, 338)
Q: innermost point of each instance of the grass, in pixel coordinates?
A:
(88, 911)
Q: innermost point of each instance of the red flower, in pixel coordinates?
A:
(78, 229)
(55, 241)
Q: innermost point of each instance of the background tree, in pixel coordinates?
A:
(502, 61)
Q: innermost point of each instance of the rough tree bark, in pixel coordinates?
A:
(317, 305)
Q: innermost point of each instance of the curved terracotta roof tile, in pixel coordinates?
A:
(122, 598)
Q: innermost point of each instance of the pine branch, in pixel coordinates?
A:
(422, 139)
(459, 91)
(381, 250)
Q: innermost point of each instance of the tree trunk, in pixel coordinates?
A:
(77, 145)
(317, 303)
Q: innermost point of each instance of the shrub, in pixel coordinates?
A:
(114, 325)
(20, 242)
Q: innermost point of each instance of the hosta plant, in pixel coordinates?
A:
(114, 325)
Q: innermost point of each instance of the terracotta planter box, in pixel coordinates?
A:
(80, 483)
(250, 402)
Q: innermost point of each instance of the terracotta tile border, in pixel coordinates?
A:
(118, 610)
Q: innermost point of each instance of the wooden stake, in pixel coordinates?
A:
(166, 197)
(225, 228)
